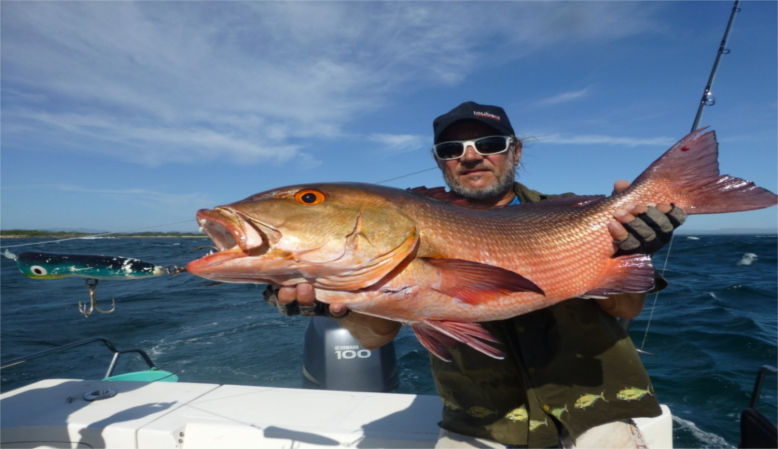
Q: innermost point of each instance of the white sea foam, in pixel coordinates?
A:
(708, 439)
(747, 259)
(691, 237)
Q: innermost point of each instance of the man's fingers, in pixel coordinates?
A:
(338, 309)
(302, 293)
(664, 208)
(620, 186)
(305, 294)
(287, 294)
(617, 230)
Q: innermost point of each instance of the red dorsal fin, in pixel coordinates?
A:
(630, 274)
(478, 283)
(437, 336)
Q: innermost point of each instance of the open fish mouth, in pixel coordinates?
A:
(233, 236)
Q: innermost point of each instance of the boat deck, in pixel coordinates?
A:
(54, 413)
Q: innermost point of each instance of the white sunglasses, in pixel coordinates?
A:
(485, 146)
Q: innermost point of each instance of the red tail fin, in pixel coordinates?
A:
(690, 172)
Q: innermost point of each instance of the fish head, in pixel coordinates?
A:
(339, 236)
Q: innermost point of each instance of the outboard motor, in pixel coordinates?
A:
(334, 360)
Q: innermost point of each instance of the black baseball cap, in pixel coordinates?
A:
(493, 116)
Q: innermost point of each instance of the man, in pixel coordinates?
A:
(565, 364)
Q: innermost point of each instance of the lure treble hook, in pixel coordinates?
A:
(92, 285)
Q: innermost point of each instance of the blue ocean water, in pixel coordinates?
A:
(710, 330)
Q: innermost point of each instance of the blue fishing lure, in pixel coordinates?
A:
(42, 265)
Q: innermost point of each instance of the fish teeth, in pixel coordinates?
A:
(201, 229)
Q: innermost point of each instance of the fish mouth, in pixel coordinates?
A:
(234, 237)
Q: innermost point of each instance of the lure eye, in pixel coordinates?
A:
(309, 197)
(38, 270)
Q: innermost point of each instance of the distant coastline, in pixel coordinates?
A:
(31, 234)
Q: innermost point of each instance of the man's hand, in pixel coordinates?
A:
(371, 332)
(643, 229)
(300, 299)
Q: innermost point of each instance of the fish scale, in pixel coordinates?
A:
(420, 258)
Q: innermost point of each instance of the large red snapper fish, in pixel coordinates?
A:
(442, 268)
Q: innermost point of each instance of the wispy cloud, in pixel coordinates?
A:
(564, 97)
(154, 144)
(606, 140)
(252, 82)
(389, 144)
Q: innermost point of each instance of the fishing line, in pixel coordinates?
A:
(405, 176)
(94, 235)
(656, 295)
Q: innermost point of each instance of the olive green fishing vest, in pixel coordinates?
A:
(565, 366)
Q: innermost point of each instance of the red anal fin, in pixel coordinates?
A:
(437, 336)
(630, 274)
(434, 341)
(478, 283)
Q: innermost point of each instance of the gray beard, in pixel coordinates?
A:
(500, 187)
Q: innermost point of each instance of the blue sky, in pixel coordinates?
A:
(120, 116)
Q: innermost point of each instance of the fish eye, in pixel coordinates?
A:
(309, 197)
(38, 270)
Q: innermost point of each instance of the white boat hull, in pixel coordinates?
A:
(53, 413)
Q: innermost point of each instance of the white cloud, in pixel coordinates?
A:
(606, 140)
(154, 144)
(389, 144)
(564, 97)
(256, 81)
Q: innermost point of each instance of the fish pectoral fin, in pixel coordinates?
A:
(629, 274)
(478, 283)
(437, 336)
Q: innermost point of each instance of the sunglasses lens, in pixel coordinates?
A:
(449, 150)
(491, 145)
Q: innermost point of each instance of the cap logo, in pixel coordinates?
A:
(486, 115)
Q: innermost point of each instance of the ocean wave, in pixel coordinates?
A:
(708, 439)
(747, 259)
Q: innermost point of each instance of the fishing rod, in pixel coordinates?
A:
(706, 100)
(707, 97)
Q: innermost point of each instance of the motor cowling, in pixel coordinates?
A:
(334, 360)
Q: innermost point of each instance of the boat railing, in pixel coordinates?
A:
(108, 344)
(758, 384)
(756, 431)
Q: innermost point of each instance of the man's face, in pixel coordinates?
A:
(475, 176)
